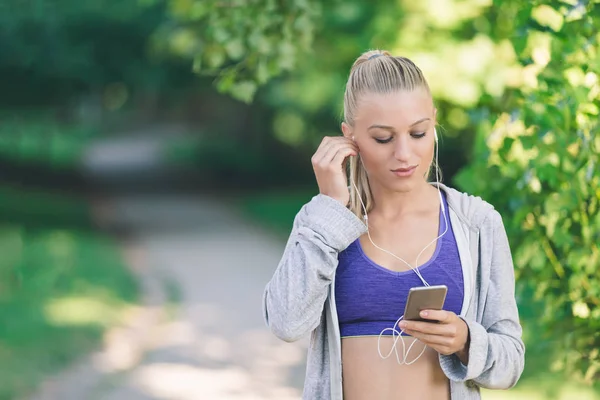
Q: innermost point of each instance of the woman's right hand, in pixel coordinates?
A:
(329, 166)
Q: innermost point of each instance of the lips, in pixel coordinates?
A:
(404, 170)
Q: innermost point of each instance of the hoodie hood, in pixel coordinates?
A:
(471, 210)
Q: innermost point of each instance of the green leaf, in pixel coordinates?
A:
(243, 91)
(215, 57)
(235, 49)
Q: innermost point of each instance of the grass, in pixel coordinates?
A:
(276, 210)
(61, 286)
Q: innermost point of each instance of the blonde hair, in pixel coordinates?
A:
(375, 71)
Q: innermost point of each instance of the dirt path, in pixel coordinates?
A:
(200, 333)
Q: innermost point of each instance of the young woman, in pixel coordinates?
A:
(355, 251)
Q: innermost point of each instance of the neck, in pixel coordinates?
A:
(393, 204)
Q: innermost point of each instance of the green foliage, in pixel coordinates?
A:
(39, 208)
(60, 288)
(244, 43)
(537, 161)
(55, 50)
(276, 210)
(450, 43)
(42, 141)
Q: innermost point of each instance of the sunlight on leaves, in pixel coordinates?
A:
(548, 16)
(544, 139)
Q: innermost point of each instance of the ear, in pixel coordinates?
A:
(346, 130)
(435, 116)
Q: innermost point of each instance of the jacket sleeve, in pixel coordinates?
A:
(496, 352)
(293, 299)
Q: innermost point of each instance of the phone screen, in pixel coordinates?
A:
(424, 298)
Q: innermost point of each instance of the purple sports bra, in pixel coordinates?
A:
(370, 298)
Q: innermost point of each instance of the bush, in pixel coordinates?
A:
(538, 164)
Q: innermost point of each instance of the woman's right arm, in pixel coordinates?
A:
(294, 297)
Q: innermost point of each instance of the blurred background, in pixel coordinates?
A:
(153, 154)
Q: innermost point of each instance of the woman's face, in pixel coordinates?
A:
(395, 135)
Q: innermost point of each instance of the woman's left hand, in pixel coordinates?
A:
(449, 336)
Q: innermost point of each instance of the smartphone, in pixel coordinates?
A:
(424, 298)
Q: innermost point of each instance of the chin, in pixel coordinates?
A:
(403, 186)
(400, 185)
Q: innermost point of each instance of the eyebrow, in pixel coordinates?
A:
(390, 128)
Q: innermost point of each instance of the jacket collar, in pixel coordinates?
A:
(471, 210)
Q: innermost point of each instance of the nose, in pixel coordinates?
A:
(402, 149)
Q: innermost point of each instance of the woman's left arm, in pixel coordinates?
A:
(491, 353)
(496, 352)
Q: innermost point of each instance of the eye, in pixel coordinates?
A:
(418, 135)
(383, 141)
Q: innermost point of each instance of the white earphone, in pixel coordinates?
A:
(395, 332)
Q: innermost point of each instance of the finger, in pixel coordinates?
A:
(332, 152)
(425, 327)
(324, 153)
(326, 144)
(442, 316)
(430, 339)
(341, 155)
(344, 141)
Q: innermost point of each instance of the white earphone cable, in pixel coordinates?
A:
(395, 332)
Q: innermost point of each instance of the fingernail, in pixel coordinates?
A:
(402, 324)
(424, 314)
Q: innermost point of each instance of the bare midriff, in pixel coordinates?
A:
(367, 376)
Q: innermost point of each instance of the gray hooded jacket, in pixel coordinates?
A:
(299, 299)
